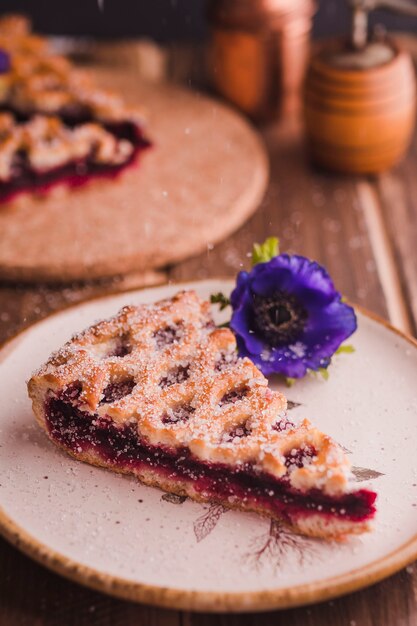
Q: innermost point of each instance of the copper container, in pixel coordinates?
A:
(258, 53)
(359, 106)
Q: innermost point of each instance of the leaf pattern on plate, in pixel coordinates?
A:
(279, 543)
(364, 473)
(204, 524)
(292, 405)
(172, 498)
(345, 450)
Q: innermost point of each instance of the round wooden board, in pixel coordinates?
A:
(204, 176)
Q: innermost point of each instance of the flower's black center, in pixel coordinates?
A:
(280, 318)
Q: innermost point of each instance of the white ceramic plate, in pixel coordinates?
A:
(112, 533)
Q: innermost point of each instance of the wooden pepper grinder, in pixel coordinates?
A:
(360, 97)
(258, 53)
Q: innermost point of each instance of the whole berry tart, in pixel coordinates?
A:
(159, 392)
(56, 126)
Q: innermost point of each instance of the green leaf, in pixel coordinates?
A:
(264, 252)
(346, 348)
(289, 381)
(324, 372)
(220, 299)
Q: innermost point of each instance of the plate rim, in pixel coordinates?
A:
(209, 601)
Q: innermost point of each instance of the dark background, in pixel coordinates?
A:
(163, 19)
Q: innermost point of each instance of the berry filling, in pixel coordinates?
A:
(233, 396)
(299, 457)
(121, 348)
(175, 376)
(243, 430)
(118, 390)
(181, 413)
(283, 424)
(168, 335)
(120, 446)
(225, 361)
(75, 171)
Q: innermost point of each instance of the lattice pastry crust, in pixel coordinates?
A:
(41, 82)
(56, 126)
(166, 369)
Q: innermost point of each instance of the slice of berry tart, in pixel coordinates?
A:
(56, 126)
(157, 391)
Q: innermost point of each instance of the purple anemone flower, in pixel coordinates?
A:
(288, 317)
(4, 61)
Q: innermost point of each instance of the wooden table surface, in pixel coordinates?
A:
(364, 230)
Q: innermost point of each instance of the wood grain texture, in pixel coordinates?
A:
(397, 191)
(314, 214)
(33, 596)
(23, 304)
(397, 197)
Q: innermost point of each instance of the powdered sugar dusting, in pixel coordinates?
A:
(179, 379)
